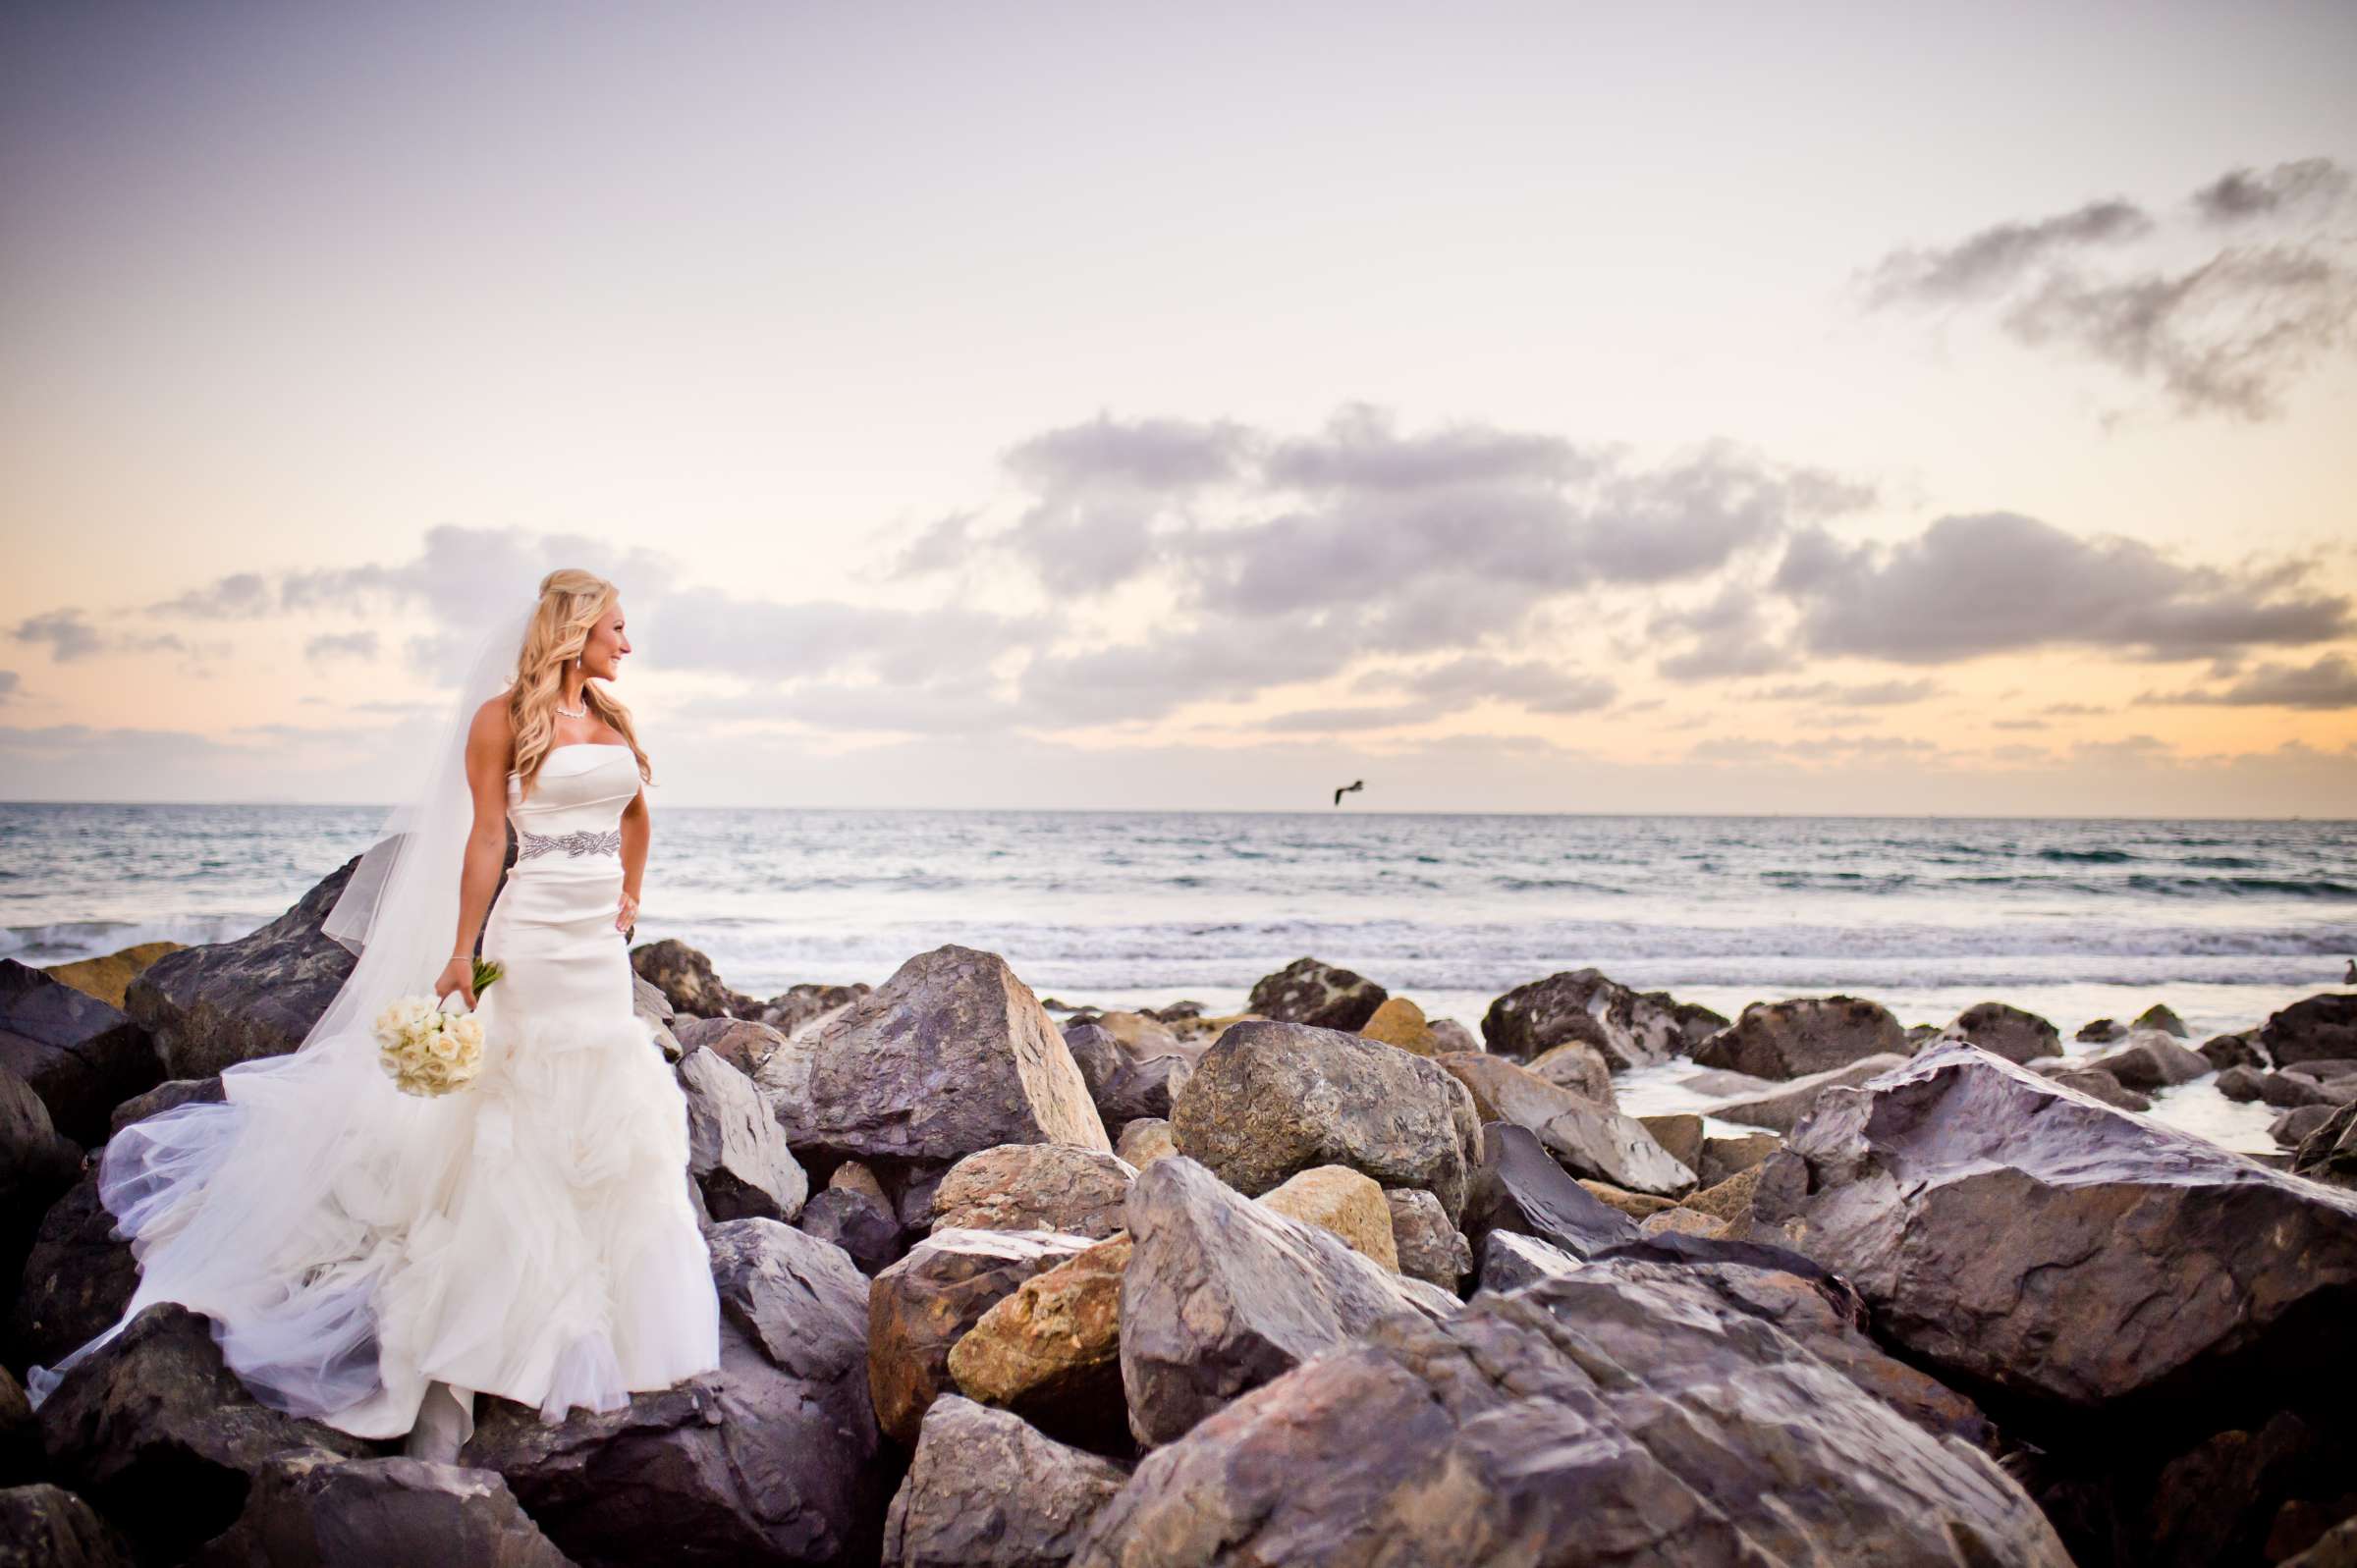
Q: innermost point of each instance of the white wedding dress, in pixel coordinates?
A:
(529, 1237)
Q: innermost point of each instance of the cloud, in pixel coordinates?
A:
(8, 685)
(1535, 685)
(1728, 635)
(69, 637)
(1984, 265)
(2302, 185)
(332, 645)
(2328, 684)
(239, 596)
(1867, 694)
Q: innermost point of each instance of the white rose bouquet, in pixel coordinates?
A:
(428, 1051)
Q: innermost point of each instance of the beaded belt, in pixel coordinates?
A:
(584, 842)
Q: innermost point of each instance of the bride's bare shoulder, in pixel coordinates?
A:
(492, 726)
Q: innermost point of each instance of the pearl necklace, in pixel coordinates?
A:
(581, 711)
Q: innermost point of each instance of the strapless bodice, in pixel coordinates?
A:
(570, 822)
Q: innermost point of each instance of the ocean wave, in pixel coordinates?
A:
(2089, 857)
(2323, 888)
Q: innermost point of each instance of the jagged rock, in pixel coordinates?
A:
(162, 1438)
(1629, 1029)
(1682, 1220)
(2241, 1050)
(1401, 1022)
(166, 1096)
(1789, 1106)
(1518, 1187)
(1803, 1036)
(1722, 1158)
(1271, 1099)
(2148, 1061)
(1050, 1348)
(950, 1055)
(1141, 1089)
(20, 1433)
(1587, 1138)
(1510, 1261)
(228, 1002)
(2242, 1084)
(1428, 1246)
(1144, 1141)
(924, 1304)
(688, 981)
(1143, 1036)
(2289, 1091)
(108, 977)
(1580, 1068)
(742, 1043)
(37, 1166)
(2330, 1153)
(1695, 1021)
(2245, 1495)
(1616, 1415)
(736, 1152)
(2008, 1031)
(853, 1176)
(985, 1490)
(1728, 1201)
(1307, 992)
(1680, 1136)
(862, 1226)
(80, 1056)
(77, 1277)
(308, 1510)
(1720, 1084)
(2158, 1016)
(654, 1009)
(770, 1459)
(1039, 1186)
(1638, 1205)
(1124, 1085)
(1221, 1295)
(2094, 1081)
(2293, 1128)
(795, 1008)
(1449, 1035)
(1095, 1052)
(912, 1195)
(2102, 1029)
(2318, 1029)
(1339, 1199)
(47, 1527)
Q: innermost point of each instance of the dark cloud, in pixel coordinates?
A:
(1360, 451)
(8, 685)
(236, 597)
(66, 634)
(1728, 635)
(1984, 265)
(2328, 684)
(2302, 185)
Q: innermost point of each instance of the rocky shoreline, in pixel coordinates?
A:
(1010, 1282)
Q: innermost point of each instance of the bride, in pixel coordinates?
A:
(374, 1260)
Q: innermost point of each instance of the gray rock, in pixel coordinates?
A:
(2094, 1081)
(47, 1527)
(1041, 1186)
(308, 1510)
(2330, 1153)
(772, 1459)
(2294, 1127)
(922, 1305)
(736, 1150)
(1586, 1138)
(36, 1166)
(230, 1001)
(1449, 1035)
(1629, 1029)
(169, 1094)
(1518, 1187)
(1578, 1066)
(80, 1056)
(2149, 1060)
(797, 1007)
(985, 1490)
(1308, 992)
(1722, 1158)
(2242, 1084)
(2291, 1090)
(688, 982)
(1803, 1036)
(949, 1055)
(2101, 1030)
(1790, 1107)
(1124, 1087)
(742, 1043)
(2010, 1032)
(1694, 1021)
(1430, 1247)
(20, 1433)
(1510, 1261)
(77, 1278)
(2319, 1028)
(2241, 1050)
(860, 1225)
(1270, 1099)
(2158, 1016)
(1720, 1084)
(1223, 1294)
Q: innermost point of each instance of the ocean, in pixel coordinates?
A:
(2224, 921)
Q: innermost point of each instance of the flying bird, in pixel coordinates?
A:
(1360, 783)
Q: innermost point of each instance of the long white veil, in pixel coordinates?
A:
(274, 1212)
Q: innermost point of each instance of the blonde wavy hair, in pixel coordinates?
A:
(572, 602)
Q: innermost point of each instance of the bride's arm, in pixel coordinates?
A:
(637, 829)
(490, 747)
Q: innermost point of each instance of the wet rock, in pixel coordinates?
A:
(1051, 1349)
(1307, 992)
(2242, 1084)
(736, 1152)
(1789, 1106)
(1695, 1021)
(1339, 1199)
(1629, 1029)
(2097, 1082)
(80, 1056)
(166, 1096)
(1429, 1248)
(1509, 1261)
(985, 1490)
(1221, 1295)
(1720, 1084)
(2319, 1028)
(47, 1527)
(1144, 1141)
(2293, 1128)
(163, 1439)
(950, 1055)
(862, 1226)
(1680, 1136)
(306, 1511)
(1803, 1036)
(1616, 1415)
(772, 1459)
(1518, 1187)
(1035, 1187)
(36, 1166)
(77, 1277)
(742, 1043)
(2149, 1060)
(1449, 1035)
(2330, 1153)
(228, 1002)
(688, 982)
(1580, 1068)
(2241, 1050)
(2010, 1032)
(107, 978)
(2158, 1016)
(2102, 1029)
(1588, 1139)
(1401, 1022)
(20, 1433)
(924, 1304)
(1722, 1158)
(796, 1008)
(1271, 1099)
(2288, 1091)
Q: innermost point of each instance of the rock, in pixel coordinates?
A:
(1307, 992)
(2336, 1547)
(1144, 1141)
(985, 1490)
(1222, 1295)
(1050, 1348)
(742, 1043)
(859, 1223)
(772, 1459)
(107, 978)
(37, 1166)
(1621, 1414)
(2102, 1029)
(1681, 1137)
(1803, 1036)
(1629, 1029)
(1449, 1035)
(688, 981)
(1679, 1219)
(166, 1096)
(1271, 1099)
(1720, 1084)
(853, 1176)
(1142, 1089)
(654, 1009)
(1791, 1106)
(77, 1278)
(2017, 1234)
(2241, 1084)
(2010, 1032)
(950, 1055)
(162, 1438)
(1510, 1261)
(2149, 1060)
(79, 1054)
(47, 1527)
(797, 1007)
(2097, 1082)
(1585, 1137)
(1722, 1158)
(1580, 1068)
(1636, 1204)
(924, 1304)
(2288, 1091)
(2319, 1028)
(1518, 1187)
(736, 1152)
(1695, 1021)
(20, 1433)
(230, 1001)
(306, 1511)
(2223, 1051)
(1339, 1199)
(1401, 1022)
(1041, 1186)
(1429, 1248)
(2160, 1017)
(1143, 1036)
(2293, 1128)
(2330, 1153)
(1728, 1201)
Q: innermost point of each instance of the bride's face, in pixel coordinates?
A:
(601, 655)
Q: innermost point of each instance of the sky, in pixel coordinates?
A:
(1834, 409)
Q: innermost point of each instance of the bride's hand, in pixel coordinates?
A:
(626, 913)
(457, 975)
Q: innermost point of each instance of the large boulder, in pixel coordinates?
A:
(925, 1304)
(169, 1094)
(1271, 1099)
(1695, 1021)
(2321, 1028)
(1589, 1139)
(80, 1056)
(1789, 1106)
(36, 1166)
(950, 1055)
(2008, 1031)
(308, 1510)
(795, 1008)
(228, 1002)
(108, 977)
(1428, 1245)
(47, 1527)
(985, 1490)
(1307, 992)
(688, 982)
(1518, 1188)
(1608, 1416)
(1578, 1066)
(2093, 1081)
(859, 1222)
(2330, 1153)
(2149, 1060)
(1221, 1294)
(1344, 1202)
(77, 1278)
(742, 1043)
(772, 1459)
(1051, 1350)
(1629, 1029)
(1401, 1022)
(736, 1150)
(1802, 1036)
(1034, 1186)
